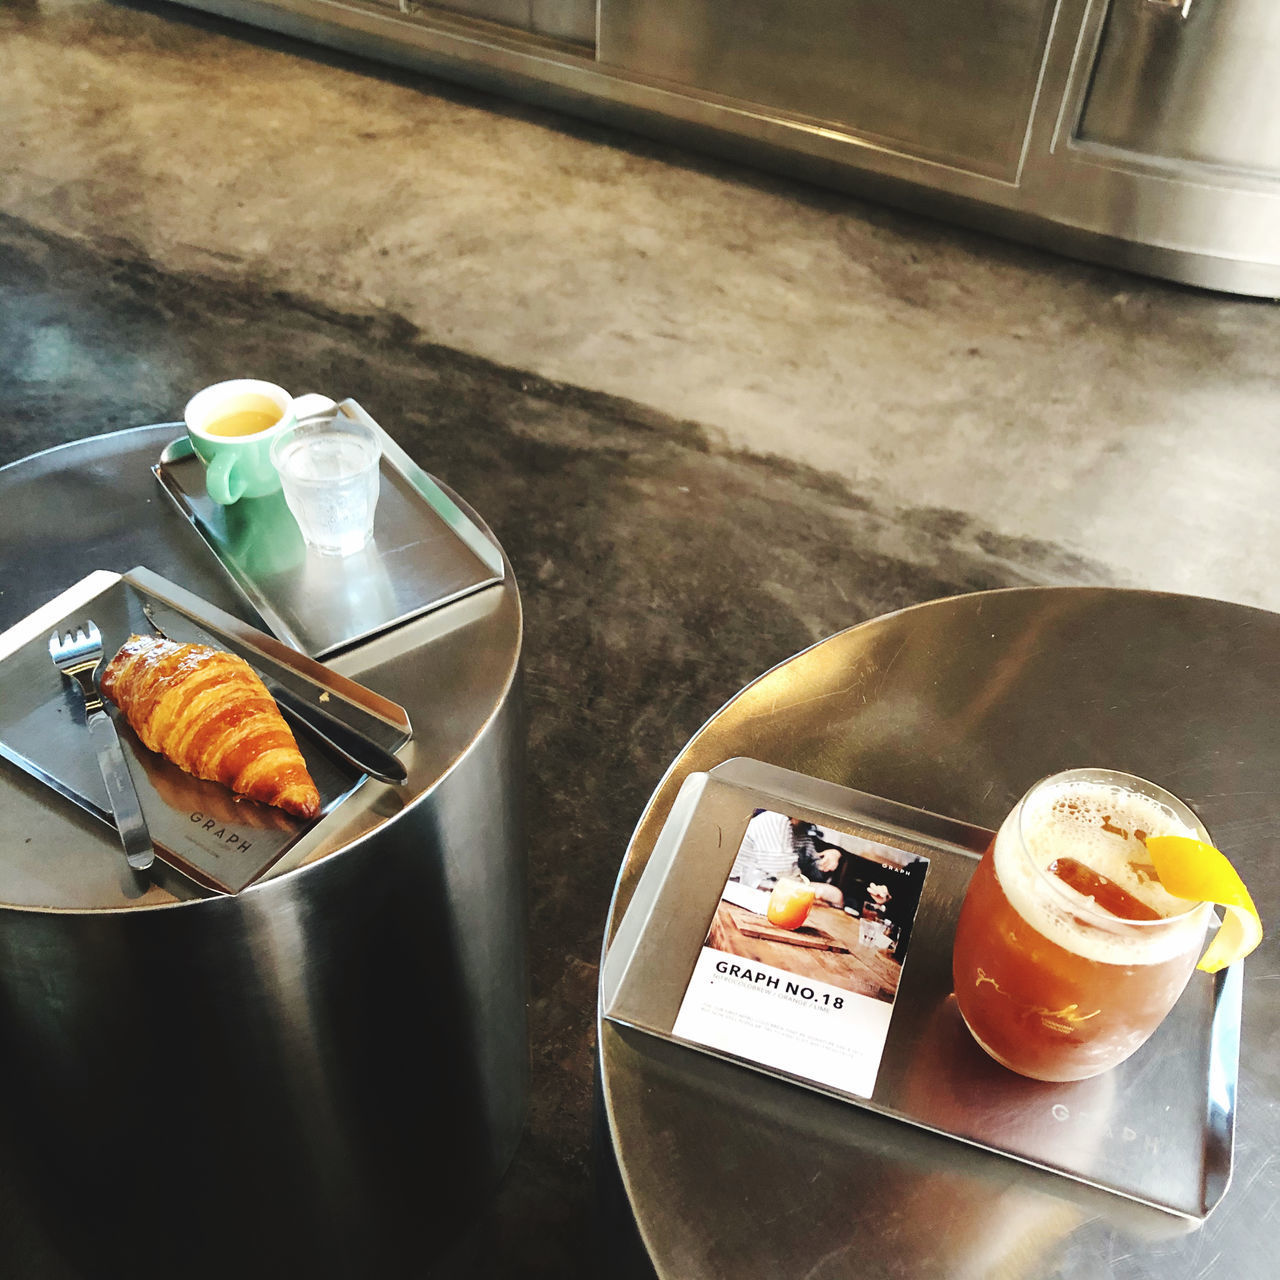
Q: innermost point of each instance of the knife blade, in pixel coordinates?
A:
(134, 835)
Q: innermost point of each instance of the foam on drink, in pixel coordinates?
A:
(1101, 826)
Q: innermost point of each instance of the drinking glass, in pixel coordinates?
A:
(330, 475)
(1068, 951)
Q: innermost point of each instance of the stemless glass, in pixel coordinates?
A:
(1068, 952)
(329, 469)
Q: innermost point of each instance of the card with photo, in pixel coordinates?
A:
(800, 967)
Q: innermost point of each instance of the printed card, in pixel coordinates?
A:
(800, 968)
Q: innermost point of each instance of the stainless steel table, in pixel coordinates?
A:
(956, 706)
(324, 1075)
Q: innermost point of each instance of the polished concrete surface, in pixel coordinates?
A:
(712, 415)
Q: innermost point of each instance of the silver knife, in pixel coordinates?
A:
(77, 655)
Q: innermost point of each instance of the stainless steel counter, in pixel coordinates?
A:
(324, 1075)
(1142, 133)
(955, 707)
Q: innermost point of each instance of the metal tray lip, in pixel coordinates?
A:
(957, 837)
(892, 817)
(1215, 1184)
(433, 495)
(262, 651)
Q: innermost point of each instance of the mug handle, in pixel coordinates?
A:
(218, 480)
(313, 405)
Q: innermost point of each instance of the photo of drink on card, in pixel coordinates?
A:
(802, 962)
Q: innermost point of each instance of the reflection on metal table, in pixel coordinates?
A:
(280, 1070)
(955, 707)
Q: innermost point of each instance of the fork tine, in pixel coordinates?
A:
(83, 645)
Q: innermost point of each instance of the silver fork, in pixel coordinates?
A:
(78, 657)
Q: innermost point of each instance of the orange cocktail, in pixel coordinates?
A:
(1069, 952)
(790, 902)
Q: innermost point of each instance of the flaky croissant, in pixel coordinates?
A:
(208, 712)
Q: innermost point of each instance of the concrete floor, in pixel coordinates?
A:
(713, 415)
(1125, 419)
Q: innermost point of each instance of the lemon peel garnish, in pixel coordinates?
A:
(1195, 870)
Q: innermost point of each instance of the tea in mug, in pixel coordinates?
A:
(250, 415)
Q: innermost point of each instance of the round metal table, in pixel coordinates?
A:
(325, 1074)
(956, 706)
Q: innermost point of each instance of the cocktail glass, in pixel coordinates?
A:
(790, 902)
(1068, 951)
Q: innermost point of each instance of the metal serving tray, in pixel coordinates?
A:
(425, 551)
(221, 841)
(1158, 1129)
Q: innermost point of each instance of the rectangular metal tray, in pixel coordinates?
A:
(425, 551)
(221, 841)
(1158, 1129)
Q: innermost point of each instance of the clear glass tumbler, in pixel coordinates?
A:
(330, 476)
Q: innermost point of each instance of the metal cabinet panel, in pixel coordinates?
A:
(950, 80)
(573, 20)
(995, 142)
(569, 20)
(1201, 89)
(511, 13)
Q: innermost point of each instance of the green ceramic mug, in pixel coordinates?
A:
(231, 426)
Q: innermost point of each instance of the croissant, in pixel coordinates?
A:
(208, 712)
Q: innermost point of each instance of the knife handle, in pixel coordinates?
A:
(120, 791)
(365, 754)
